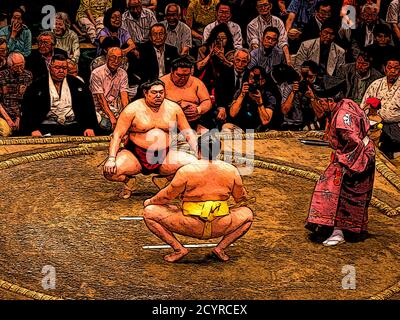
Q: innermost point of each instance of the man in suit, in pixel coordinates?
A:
(58, 104)
(323, 11)
(155, 55)
(233, 80)
(328, 55)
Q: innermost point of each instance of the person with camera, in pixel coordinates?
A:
(298, 100)
(254, 105)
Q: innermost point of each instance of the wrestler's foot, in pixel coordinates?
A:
(176, 255)
(220, 254)
(129, 186)
(160, 182)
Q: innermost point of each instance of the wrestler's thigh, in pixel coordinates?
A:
(127, 163)
(171, 218)
(231, 222)
(175, 160)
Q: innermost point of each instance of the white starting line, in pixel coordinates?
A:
(131, 218)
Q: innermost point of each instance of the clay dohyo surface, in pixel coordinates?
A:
(63, 213)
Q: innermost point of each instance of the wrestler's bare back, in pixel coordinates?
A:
(148, 128)
(204, 180)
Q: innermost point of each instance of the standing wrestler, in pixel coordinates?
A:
(343, 192)
(148, 123)
(188, 91)
(205, 213)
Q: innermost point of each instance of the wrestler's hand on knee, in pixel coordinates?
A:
(147, 202)
(89, 133)
(110, 166)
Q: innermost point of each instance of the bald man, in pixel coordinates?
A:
(109, 86)
(205, 213)
(13, 84)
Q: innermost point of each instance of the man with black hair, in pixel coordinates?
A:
(342, 195)
(205, 213)
(188, 91)
(269, 54)
(149, 123)
(58, 104)
(328, 55)
(312, 29)
(358, 75)
(155, 55)
(387, 90)
(382, 47)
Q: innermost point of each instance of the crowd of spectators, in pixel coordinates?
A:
(230, 64)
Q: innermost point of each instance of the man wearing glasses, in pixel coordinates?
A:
(58, 104)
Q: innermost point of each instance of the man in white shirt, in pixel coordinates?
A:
(224, 15)
(387, 90)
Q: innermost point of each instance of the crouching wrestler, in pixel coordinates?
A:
(149, 123)
(204, 187)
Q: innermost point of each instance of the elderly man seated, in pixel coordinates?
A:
(58, 104)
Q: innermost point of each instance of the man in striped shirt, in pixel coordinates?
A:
(179, 34)
(138, 21)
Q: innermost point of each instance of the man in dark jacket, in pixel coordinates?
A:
(58, 104)
(155, 55)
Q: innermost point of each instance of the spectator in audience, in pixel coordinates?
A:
(300, 12)
(66, 39)
(188, 91)
(138, 21)
(393, 17)
(199, 14)
(232, 82)
(106, 44)
(215, 55)
(254, 105)
(3, 54)
(13, 83)
(109, 87)
(58, 104)
(269, 54)
(155, 55)
(90, 16)
(40, 59)
(179, 34)
(358, 75)
(224, 15)
(113, 28)
(363, 35)
(73, 69)
(298, 100)
(328, 55)
(18, 35)
(150, 4)
(387, 90)
(256, 27)
(323, 12)
(382, 47)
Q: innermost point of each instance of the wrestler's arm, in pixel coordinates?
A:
(186, 130)
(123, 124)
(170, 192)
(204, 98)
(239, 193)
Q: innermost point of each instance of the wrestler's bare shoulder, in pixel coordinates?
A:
(202, 165)
(134, 107)
(171, 106)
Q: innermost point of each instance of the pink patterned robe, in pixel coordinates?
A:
(343, 192)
